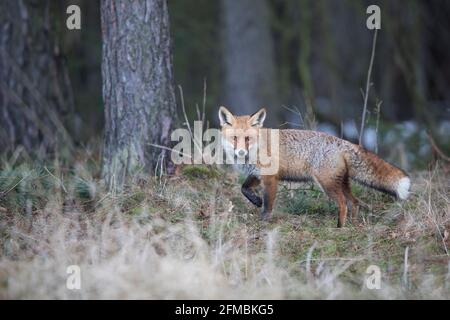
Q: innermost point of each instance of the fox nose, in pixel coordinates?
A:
(241, 153)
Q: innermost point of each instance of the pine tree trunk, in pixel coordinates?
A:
(138, 88)
(35, 94)
(249, 57)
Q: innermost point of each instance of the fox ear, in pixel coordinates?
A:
(225, 117)
(257, 119)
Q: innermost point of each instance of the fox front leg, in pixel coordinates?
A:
(249, 192)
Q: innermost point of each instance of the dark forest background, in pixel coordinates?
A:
(301, 56)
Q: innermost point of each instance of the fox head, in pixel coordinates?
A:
(240, 133)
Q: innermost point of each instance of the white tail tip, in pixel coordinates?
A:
(403, 186)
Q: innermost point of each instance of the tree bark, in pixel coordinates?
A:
(35, 94)
(138, 90)
(249, 56)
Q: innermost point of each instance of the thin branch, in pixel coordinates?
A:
(196, 143)
(170, 149)
(290, 123)
(204, 102)
(366, 95)
(297, 112)
(405, 268)
(379, 103)
(4, 193)
(436, 148)
(40, 100)
(56, 178)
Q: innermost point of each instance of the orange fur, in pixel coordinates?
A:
(309, 155)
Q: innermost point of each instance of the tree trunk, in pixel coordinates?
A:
(35, 93)
(249, 58)
(138, 90)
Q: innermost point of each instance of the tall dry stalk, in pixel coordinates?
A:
(368, 84)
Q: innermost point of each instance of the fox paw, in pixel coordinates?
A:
(257, 202)
(266, 216)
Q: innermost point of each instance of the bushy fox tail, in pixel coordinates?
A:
(368, 169)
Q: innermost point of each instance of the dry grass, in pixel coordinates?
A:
(194, 236)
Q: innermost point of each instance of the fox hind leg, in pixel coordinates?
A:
(334, 188)
(339, 197)
(352, 202)
(270, 184)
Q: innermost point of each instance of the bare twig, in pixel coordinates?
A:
(436, 149)
(186, 119)
(170, 149)
(296, 111)
(4, 193)
(366, 95)
(204, 102)
(42, 102)
(290, 123)
(56, 178)
(405, 268)
(379, 103)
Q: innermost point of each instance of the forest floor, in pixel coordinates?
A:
(195, 236)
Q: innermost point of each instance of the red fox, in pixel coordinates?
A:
(309, 156)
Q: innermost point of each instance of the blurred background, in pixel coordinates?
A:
(306, 61)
